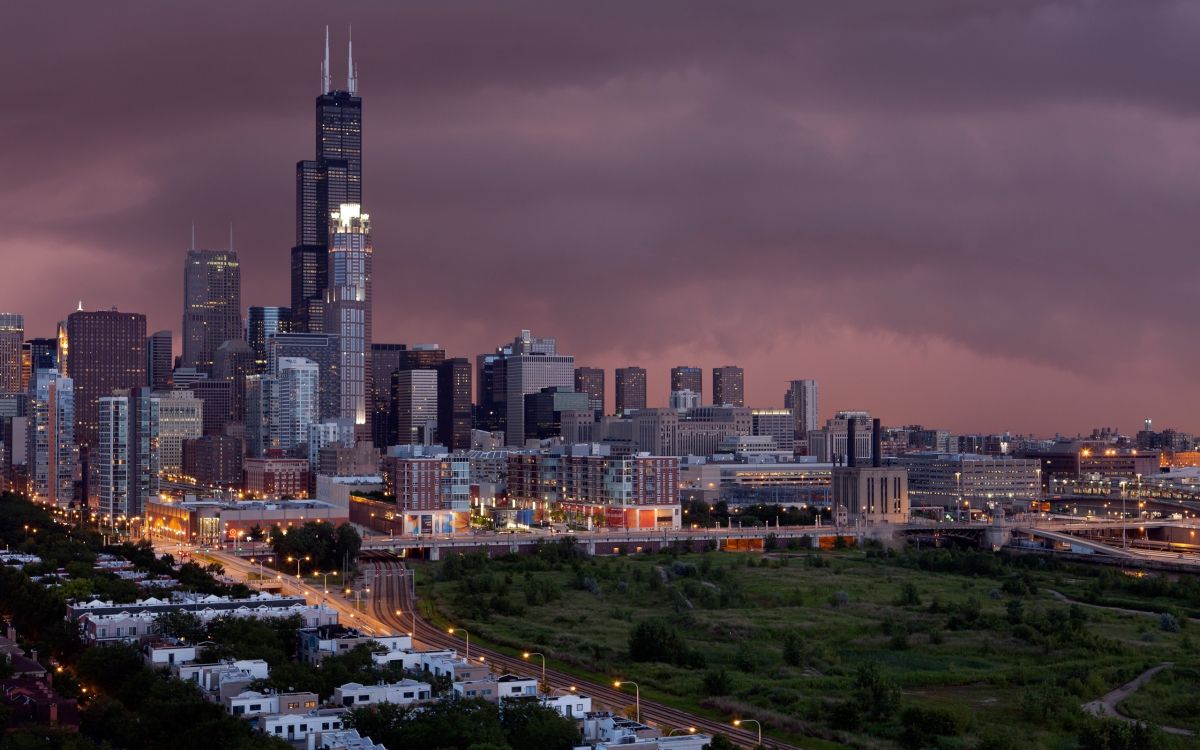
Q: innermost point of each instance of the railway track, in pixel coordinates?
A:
(393, 594)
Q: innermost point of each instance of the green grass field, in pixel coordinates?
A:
(865, 649)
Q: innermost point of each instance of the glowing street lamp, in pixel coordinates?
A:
(637, 697)
(740, 722)
(467, 635)
(545, 685)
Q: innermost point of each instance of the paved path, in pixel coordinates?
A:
(1105, 707)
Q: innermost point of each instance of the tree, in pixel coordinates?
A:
(180, 624)
(528, 725)
(872, 690)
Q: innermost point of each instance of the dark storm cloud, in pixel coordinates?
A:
(979, 201)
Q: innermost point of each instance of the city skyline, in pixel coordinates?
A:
(990, 290)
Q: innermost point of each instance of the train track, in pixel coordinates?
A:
(393, 594)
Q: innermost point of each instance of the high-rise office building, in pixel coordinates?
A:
(51, 440)
(212, 305)
(180, 418)
(216, 398)
(729, 387)
(530, 364)
(294, 406)
(160, 360)
(323, 185)
(801, 398)
(777, 424)
(348, 306)
(261, 324)
(544, 410)
(385, 359)
(126, 456)
(688, 378)
(590, 380)
(101, 351)
(320, 348)
(12, 338)
(261, 392)
(455, 412)
(415, 406)
(233, 362)
(37, 354)
(630, 388)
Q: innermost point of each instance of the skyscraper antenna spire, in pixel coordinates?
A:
(231, 236)
(351, 73)
(193, 247)
(325, 68)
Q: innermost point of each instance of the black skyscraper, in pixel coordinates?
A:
(323, 185)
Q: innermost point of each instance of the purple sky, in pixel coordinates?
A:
(980, 216)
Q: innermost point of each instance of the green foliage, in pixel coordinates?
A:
(466, 725)
(716, 682)
(319, 543)
(877, 694)
(920, 726)
(1111, 734)
(656, 640)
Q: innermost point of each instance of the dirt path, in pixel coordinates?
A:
(1105, 707)
(1068, 600)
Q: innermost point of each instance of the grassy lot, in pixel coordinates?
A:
(869, 649)
(1171, 699)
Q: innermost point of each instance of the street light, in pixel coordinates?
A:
(739, 722)
(637, 697)
(325, 576)
(468, 639)
(297, 560)
(545, 685)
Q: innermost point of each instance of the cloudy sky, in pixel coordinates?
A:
(981, 216)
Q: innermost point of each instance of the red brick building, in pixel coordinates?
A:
(275, 476)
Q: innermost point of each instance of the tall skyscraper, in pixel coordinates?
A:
(212, 305)
(127, 458)
(12, 336)
(385, 359)
(417, 357)
(321, 348)
(37, 354)
(729, 388)
(455, 413)
(261, 324)
(590, 380)
(233, 362)
(348, 306)
(180, 418)
(801, 398)
(160, 360)
(323, 185)
(51, 441)
(490, 392)
(688, 378)
(415, 399)
(630, 389)
(294, 406)
(530, 364)
(101, 351)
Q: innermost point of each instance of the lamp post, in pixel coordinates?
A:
(545, 685)
(468, 639)
(740, 722)
(325, 576)
(298, 560)
(637, 697)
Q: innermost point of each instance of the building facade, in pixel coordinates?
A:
(101, 351)
(630, 387)
(212, 305)
(688, 378)
(729, 386)
(348, 306)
